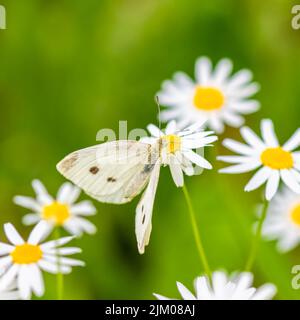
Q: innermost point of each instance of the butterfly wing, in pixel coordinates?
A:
(143, 218)
(113, 172)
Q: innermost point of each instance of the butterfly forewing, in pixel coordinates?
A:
(113, 172)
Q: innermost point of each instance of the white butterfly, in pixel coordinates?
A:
(117, 171)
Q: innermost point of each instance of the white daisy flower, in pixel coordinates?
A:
(275, 161)
(238, 287)
(23, 261)
(215, 96)
(283, 220)
(10, 293)
(177, 148)
(61, 211)
(173, 148)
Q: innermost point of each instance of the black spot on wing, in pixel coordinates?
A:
(148, 168)
(144, 216)
(111, 179)
(94, 170)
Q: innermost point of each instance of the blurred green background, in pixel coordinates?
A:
(69, 68)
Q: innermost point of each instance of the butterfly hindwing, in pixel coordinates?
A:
(143, 218)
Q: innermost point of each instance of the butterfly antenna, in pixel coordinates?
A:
(158, 108)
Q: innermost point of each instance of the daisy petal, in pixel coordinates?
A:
(241, 168)
(53, 268)
(238, 147)
(197, 159)
(12, 234)
(196, 126)
(296, 174)
(24, 282)
(287, 242)
(296, 155)
(202, 288)
(246, 91)
(63, 261)
(36, 279)
(64, 251)
(203, 70)
(272, 184)
(222, 71)
(216, 124)
(31, 218)
(260, 177)
(271, 231)
(160, 297)
(170, 88)
(245, 106)
(10, 275)
(39, 233)
(5, 248)
(186, 164)
(240, 79)
(194, 144)
(64, 193)
(85, 225)
(183, 80)
(293, 142)
(73, 228)
(183, 122)
(232, 119)
(167, 115)
(5, 262)
(265, 292)
(176, 173)
(41, 192)
(55, 243)
(171, 127)
(28, 203)
(244, 281)
(290, 180)
(219, 280)
(69, 262)
(196, 135)
(154, 131)
(39, 188)
(83, 208)
(251, 138)
(268, 133)
(74, 195)
(171, 99)
(185, 293)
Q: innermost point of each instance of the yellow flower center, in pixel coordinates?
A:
(277, 158)
(295, 215)
(208, 98)
(26, 254)
(172, 143)
(56, 212)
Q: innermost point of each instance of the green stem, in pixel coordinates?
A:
(196, 232)
(257, 237)
(59, 277)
